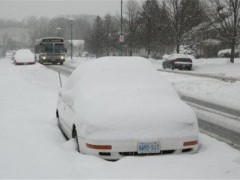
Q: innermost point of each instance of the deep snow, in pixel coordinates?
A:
(32, 146)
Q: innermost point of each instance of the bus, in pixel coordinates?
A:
(50, 50)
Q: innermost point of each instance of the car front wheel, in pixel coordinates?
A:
(74, 135)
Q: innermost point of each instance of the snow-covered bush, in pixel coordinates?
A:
(227, 53)
(187, 49)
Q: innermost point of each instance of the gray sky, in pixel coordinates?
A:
(19, 9)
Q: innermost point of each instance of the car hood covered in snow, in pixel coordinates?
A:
(126, 98)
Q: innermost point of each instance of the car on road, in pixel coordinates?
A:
(178, 61)
(121, 106)
(24, 57)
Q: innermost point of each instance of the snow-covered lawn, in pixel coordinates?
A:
(32, 146)
(211, 90)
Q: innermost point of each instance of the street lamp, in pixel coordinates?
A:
(71, 20)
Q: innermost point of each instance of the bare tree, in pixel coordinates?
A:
(185, 14)
(226, 17)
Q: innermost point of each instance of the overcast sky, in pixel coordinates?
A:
(19, 9)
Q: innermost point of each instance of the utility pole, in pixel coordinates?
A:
(71, 20)
(121, 39)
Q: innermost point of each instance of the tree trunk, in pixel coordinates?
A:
(149, 52)
(130, 53)
(178, 48)
(232, 51)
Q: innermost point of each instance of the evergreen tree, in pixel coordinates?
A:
(110, 34)
(150, 20)
(95, 41)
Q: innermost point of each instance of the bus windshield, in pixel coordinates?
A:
(52, 48)
(47, 48)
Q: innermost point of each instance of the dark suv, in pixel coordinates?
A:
(178, 61)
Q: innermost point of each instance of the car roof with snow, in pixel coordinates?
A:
(179, 56)
(127, 73)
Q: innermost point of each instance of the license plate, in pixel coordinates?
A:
(148, 147)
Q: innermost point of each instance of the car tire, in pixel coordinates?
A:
(57, 115)
(74, 135)
(61, 63)
(172, 67)
(164, 67)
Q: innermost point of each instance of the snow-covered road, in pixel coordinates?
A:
(32, 146)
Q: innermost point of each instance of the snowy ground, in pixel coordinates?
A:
(32, 146)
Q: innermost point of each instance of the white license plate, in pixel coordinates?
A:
(148, 147)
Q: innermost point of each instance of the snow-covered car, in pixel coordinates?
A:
(178, 61)
(23, 57)
(121, 106)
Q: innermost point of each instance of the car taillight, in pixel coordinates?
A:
(190, 143)
(93, 146)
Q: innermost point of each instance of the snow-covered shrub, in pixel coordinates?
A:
(227, 53)
(187, 49)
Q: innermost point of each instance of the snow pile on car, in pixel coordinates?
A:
(24, 55)
(121, 98)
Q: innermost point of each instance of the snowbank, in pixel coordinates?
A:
(227, 53)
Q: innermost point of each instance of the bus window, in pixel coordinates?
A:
(59, 48)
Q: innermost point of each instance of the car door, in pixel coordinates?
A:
(66, 115)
